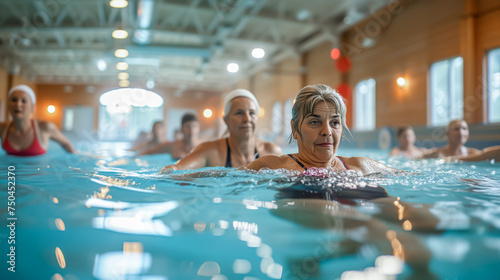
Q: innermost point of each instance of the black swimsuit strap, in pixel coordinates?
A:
(228, 157)
(298, 162)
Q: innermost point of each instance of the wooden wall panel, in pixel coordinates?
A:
(320, 67)
(4, 83)
(485, 6)
(420, 33)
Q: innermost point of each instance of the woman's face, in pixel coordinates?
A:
(242, 117)
(458, 132)
(407, 137)
(158, 130)
(321, 133)
(20, 105)
(190, 130)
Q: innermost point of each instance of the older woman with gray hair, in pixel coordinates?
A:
(241, 110)
(318, 124)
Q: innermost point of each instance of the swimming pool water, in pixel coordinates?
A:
(114, 216)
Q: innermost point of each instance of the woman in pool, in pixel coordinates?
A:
(407, 148)
(241, 146)
(457, 133)
(157, 134)
(25, 136)
(318, 124)
(190, 130)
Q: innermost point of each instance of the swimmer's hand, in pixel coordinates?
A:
(168, 169)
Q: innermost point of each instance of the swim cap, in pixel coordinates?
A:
(238, 93)
(26, 89)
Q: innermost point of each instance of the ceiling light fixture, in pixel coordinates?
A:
(118, 3)
(119, 34)
(121, 53)
(124, 83)
(122, 66)
(232, 67)
(123, 76)
(258, 53)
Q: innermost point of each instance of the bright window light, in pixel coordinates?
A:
(133, 97)
(101, 65)
(122, 66)
(258, 53)
(233, 67)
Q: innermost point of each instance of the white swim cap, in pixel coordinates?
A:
(238, 93)
(26, 89)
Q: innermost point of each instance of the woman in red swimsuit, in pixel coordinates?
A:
(318, 124)
(24, 136)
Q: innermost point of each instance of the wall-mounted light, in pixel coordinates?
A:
(262, 112)
(118, 3)
(119, 34)
(51, 109)
(207, 113)
(401, 82)
(122, 66)
(121, 53)
(335, 53)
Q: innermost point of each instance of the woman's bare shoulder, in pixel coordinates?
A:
(366, 165)
(269, 161)
(46, 125)
(271, 148)
(473, 151)
(211, 145)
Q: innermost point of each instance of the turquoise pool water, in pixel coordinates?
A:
(115, 217)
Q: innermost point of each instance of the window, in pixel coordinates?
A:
(125, 112)
(494, 86)
(287, 128)
(277, 118)
(364, 105)
(447, 92)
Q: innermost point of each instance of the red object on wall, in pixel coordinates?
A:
(343, 64)
(344, 90)
(335, 54)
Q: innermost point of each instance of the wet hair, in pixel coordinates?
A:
(403, 129)
(308, 98)
(188, 118)
(158, 122)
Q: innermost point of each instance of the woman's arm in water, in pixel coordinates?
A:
(200, 157)
(367, 166)
(490, 153)
(161, 148)
(56, 135)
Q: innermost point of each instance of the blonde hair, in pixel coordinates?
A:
(308, 97)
